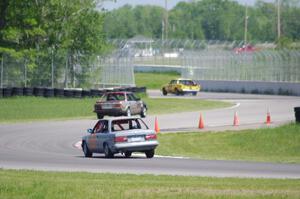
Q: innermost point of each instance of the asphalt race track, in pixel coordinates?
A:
(51, 145)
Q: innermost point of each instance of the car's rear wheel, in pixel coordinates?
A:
(107, 151)
(164, 92)
(128, 112)
(128, 154)
(144, 112)
(150, 153)
(86, 151)
(100, 116)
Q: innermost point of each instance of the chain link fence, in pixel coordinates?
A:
(199, 60)
(263, 65)
(69, 71)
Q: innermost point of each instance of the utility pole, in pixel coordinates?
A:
(246, 25)
(278, 20)
(166, 20)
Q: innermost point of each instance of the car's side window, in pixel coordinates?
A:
(101, 127)
(173, 82)
(134, 124)
(117, 126)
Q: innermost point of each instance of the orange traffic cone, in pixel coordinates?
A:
(201, 122)
(268, 120)
(156, 127)
(236, 121)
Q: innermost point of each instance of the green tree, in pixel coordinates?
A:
(36, 31)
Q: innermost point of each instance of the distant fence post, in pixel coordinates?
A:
(25, 73)
(52, 69)
(2, 63)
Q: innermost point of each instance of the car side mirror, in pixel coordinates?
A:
(90, 131)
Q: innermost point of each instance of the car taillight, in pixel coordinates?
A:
(151, 137)
(121, 139)
(119, 105)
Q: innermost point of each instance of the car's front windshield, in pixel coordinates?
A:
(128, 124)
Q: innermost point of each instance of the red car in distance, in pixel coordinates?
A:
(245, 48)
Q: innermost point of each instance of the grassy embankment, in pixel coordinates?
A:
(154, 80)
(281, 144)
(33, 184)
(17, 109)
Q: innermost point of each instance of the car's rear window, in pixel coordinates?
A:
(127, 124)
(187, 82)
(115, 96)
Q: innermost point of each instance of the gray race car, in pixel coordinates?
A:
(120, 135)
(120, 104)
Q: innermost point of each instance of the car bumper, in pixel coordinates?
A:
(111, 112)
(189, 91)
(136, 146)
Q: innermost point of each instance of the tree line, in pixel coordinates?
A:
(41, 34)
(63, 34)
(206, 20)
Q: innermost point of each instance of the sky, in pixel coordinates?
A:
(171, 3)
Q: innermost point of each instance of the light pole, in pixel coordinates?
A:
(278, 20)
(246, 25)
(166, 20)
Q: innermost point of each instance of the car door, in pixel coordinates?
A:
(92, 139)
(102, 136)
(171, 86)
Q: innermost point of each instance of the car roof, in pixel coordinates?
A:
(182, 79)
(119, 92)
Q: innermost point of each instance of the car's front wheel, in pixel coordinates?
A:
(107, 151)
(150, 153)
(128, 154)
(86, 151)
(128, 112)
(144, 112)
(164, 92)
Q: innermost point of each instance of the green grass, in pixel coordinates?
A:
(154, 80)
(17, 109)
(39, 108)
(281, 144)
(36, 185)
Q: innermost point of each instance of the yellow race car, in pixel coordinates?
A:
(181, 87)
